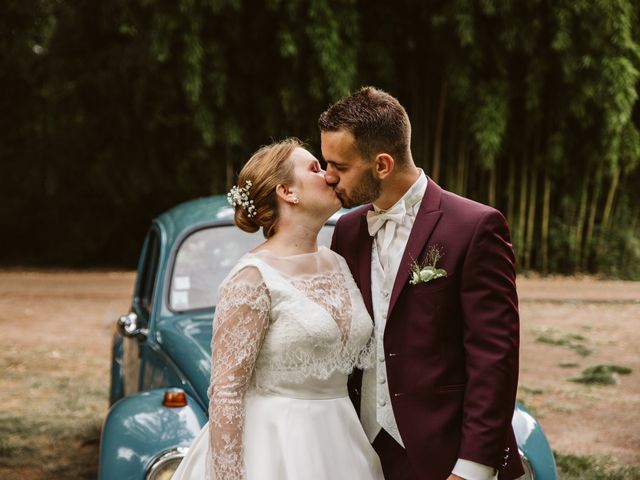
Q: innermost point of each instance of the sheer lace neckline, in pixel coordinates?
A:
(322, 262)
(270, 253)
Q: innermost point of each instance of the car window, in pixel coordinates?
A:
(149, 270)
(205, 258)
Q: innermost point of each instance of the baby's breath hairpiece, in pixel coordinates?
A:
(239, 197)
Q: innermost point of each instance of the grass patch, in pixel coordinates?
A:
(35, 446)
(55, 431)
(568, 365)
(601, 375)
(533, 410)
(570, 340)
(15, 438)
(531, 391)
(576, 467)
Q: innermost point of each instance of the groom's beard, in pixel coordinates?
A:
(366, 191)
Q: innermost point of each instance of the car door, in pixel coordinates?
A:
(134, 326)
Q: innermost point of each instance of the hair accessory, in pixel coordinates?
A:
(239, 197)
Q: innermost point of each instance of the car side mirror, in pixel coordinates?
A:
(128, 326)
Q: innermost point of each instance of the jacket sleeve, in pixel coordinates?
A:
(491, 341)
(241, 322)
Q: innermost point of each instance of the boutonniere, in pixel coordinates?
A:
(429, 269)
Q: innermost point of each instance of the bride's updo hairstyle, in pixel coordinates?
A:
(265, 170)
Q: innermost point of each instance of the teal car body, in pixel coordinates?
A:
(163, 347)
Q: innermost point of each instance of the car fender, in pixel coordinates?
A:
(138, 428)
(533, 444)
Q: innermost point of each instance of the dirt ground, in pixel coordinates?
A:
(55, 336)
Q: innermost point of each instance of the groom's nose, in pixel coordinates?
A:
(330, 176)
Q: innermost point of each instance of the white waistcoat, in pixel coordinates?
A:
(375, 406)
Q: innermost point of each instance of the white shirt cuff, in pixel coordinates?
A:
(474, 471)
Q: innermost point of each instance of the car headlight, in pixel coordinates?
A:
(164, 465)
(528, 471)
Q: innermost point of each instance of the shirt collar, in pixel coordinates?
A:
(413, 195)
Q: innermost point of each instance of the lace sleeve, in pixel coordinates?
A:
(241, 322)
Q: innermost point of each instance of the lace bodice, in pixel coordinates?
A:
(280, 321)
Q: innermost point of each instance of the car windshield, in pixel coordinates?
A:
(205, 258)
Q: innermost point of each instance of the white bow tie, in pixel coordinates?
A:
(376, 220)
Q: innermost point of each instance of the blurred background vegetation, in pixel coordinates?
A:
(114, 110)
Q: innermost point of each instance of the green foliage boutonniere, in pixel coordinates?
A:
(428, 270)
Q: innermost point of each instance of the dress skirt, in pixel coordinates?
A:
(294, 439)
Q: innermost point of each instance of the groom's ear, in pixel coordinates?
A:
(383, 165)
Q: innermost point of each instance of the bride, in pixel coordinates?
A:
(289, 327)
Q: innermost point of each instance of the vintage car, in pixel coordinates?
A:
(161, 351)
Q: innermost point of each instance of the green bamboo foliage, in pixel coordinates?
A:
(115, 110)
(546, 97)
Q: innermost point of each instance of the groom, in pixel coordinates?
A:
(439, 400)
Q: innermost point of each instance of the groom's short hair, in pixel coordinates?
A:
(377, 121)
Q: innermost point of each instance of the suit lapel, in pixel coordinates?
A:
(427, 218)
(364, 262)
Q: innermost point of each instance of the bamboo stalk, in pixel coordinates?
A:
(425, 125)
(511, 180)
(608, 206)
(593, 208)
(492, 185)
(522, 212)
(437, 143)
(228, 166)
(531, 218)
(462, 168)
(544, 229)
(581, 222)
(607, 211)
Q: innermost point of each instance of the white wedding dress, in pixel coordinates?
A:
(288, 331)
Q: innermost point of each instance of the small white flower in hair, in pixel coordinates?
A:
(239, 197)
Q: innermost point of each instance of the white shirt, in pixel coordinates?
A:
(387, 250)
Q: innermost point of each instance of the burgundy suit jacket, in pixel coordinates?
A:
(451, 345)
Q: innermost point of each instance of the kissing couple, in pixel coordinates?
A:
(394, 354)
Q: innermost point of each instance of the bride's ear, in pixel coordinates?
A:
(286, 194)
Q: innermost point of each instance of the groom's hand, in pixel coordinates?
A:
(454, 477)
